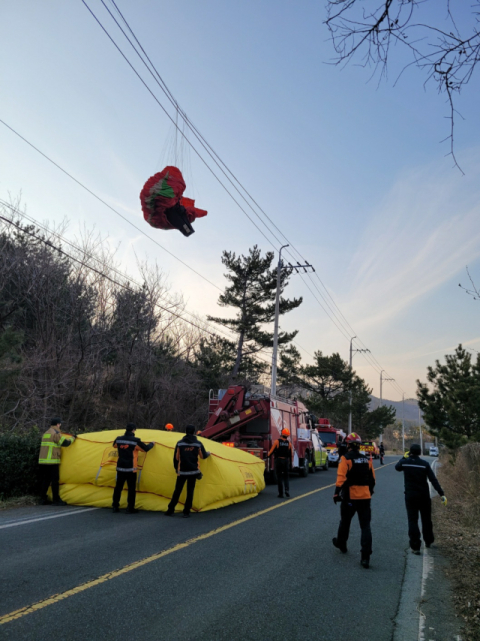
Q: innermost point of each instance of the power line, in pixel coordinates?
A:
(340, 322)
(175, 124)
(109, 206)
(339, 317)
(217, 334)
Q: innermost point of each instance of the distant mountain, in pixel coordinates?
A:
(411, 408)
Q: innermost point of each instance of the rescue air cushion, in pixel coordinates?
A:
(88, 472)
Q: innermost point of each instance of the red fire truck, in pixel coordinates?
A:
(252, 422)
(331, 437)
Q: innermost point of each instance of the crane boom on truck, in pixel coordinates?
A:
(252, 422)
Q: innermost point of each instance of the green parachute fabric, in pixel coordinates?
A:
(88, 470)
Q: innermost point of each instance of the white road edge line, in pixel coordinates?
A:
(427, 568)
(46, 518)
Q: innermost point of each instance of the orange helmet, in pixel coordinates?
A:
(169, 427)
(353, 438)
(285, 432)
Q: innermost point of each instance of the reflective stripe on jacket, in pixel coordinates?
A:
(128, 447)
(355, 472)
(186, 455)
(282, 448)
(50, 448)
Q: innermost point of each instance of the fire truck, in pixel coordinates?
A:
(252, 422)
(331, 437)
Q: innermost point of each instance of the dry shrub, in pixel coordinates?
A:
(460, 478)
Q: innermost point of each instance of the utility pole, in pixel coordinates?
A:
(286, 268)
(381, 401)
(352, 351)
(403, 424)
(420, 428)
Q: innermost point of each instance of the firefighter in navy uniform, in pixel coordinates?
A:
(283, 452)
(185, 461)
(354, 488)
(128, 447)
(381, 453)
(417, 496)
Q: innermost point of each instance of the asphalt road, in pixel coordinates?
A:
(246, 572)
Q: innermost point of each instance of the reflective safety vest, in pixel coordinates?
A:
(50, 447)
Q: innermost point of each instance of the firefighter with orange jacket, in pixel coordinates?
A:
(128, 447)
(354, 488)
(283, 452)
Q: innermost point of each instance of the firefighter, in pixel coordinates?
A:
(416, 471)
(185, 461)
(128, 447)
(341, 448)
(283, 452)
(354, 488)
(49, 460)
(382, 453)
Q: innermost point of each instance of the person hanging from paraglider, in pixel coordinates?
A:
(163, 203)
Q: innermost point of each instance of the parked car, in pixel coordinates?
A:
(433, 450)
(321, 454)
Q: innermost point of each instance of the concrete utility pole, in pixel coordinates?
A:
(403, 424)
(420, 428)
(352, 351)
(381, 401)
(281, 267)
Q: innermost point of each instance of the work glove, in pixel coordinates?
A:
(444, 501)
(336, 498)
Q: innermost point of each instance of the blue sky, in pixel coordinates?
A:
(353, 172)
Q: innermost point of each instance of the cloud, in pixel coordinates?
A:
(423, 233)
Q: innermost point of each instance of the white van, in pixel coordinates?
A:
(433, 450)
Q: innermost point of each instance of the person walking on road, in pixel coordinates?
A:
(49, 461)
(128, 447)
(382, 453)
(417, 472)
(283, 452)
(185, 461)
(354, 488)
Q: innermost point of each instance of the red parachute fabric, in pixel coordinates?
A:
(164, 190)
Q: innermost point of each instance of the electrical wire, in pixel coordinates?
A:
(218, 333)
(347, 328)
(340, 322)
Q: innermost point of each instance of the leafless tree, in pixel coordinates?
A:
(473, 289)
(440, 43)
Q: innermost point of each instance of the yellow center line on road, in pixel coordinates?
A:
(29, 609)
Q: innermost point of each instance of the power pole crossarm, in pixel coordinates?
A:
(286, 268)
(352, 351)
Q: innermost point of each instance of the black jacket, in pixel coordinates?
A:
(128, 447)
(187, 451)
(416, 472)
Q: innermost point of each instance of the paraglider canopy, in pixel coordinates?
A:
(163, 204)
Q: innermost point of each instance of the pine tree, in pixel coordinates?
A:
(252, 291)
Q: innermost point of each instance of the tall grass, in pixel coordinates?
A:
(460, 479)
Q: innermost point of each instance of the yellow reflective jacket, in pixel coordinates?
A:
(52, 442)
